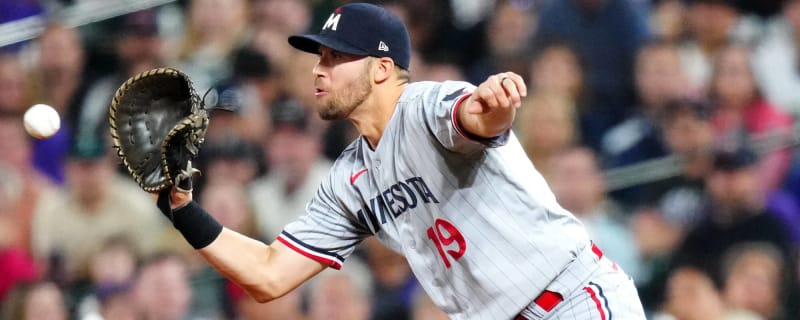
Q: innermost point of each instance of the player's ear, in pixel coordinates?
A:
(383, 69)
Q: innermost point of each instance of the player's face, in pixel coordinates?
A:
(342, 83)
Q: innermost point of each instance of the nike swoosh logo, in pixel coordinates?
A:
(356, 175)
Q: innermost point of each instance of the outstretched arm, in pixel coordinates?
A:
(264, 272)
(490, 110)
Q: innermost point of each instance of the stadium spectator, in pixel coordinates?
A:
(13, 90)
(688, 134)
(508, 36)
(607, 34)
(546, 125)
(28, 186)
(287, 307)
(742, 114)
(556, 69)
(691, 295)
(111, 272)
(735, 214)
(296, 168)
(56, 79)
(95, 204)
(711, 25)
(21, 188)
(659, 79)
(213, 30)
(249, 93)
(341, 294)
(35, 300)
(272, 21)
(755, 279)
(162, 289)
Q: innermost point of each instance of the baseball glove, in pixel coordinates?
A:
(158, 124)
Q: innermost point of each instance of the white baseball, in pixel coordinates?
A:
(41, 121)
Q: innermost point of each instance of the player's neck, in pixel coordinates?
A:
(372, 116)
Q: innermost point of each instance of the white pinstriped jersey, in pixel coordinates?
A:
(477, 223)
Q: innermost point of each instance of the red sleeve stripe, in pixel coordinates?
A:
(331, 260)
(454, 116)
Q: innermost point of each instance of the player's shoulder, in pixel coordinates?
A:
(436, 90)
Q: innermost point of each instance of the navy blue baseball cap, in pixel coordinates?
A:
(360, 29)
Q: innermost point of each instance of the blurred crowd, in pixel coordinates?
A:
(694, 102)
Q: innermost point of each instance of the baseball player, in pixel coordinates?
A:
(436, 175)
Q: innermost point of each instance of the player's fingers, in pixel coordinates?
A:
(495, 83)
(519, 83)
(485, 98)
(511, 91)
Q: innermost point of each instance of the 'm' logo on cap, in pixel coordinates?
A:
(333, 21)
(383, 47)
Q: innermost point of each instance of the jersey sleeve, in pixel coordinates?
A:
(440, 108)
(327, 233)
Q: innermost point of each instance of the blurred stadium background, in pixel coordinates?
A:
(667, 126)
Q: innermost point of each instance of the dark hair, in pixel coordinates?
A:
(734, 159)
(675, 108)
(251, 63)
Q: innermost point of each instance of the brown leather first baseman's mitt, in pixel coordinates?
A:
(158, 124)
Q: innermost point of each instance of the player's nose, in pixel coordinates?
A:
(318, 70)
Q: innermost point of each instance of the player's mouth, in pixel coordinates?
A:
(320, 92)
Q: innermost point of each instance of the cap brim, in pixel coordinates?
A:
(311, 42)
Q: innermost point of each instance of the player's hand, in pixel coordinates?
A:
(169, 200)
(491, 109)
(503, 91)
(179, 195)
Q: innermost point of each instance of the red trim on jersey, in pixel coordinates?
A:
(454, 116)
(548, 300)
(330, 262)
(596, 302)
(597, 251)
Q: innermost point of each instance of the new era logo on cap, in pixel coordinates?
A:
(360, 29)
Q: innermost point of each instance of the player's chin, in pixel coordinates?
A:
(328, 112)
